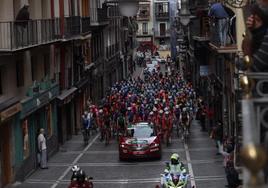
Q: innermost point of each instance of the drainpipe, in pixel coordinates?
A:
(62, 49)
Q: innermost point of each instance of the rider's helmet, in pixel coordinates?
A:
(161, 112)
(177, 106)
(151, 113)
(166, 113)
(184, 109)
(166, 109)
(174, 158)
(75, 168)
(100, 111)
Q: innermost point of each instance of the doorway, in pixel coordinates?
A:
(162, 29)
(5, 163)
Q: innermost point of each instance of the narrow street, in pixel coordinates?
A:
(102, 163)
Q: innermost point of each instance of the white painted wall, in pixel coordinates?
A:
(57, 8)
(35, 8)
(6, 10)
(66, 8)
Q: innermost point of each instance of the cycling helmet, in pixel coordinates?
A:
(166, 113)
(166, 109)
(184, 109)
(177, 106)
(75, 168)
(161, 112)
(151, 113)
(100, 111)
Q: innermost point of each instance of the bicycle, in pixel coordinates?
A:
(107, 135)
(185, 132)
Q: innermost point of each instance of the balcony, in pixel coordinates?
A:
(144, 13)
(162, 34)
(144, 33)
(17, 35)
(85, 24)
(215, 45)
(38, 96)
(162, 11)
(72, 26)
(202, 34)
(102, 15)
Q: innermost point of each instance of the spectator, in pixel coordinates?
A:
(42, 147)
(218, 136)
(221, 17)
(257, 24)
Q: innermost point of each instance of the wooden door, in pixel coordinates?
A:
(5, 154)
(162, 29)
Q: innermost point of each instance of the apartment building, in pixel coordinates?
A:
(45, 48)
(28, 83)
(145, 21)
(161, 15)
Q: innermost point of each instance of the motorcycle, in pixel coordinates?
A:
(86, 184)
(173, 180)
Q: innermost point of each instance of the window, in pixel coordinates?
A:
(25, 137)
(145, 28)
(20, 73)
(144, 11)
(1, 86)
(162, 29)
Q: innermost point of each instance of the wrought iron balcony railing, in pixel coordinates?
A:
(85, 24)
(17, 35)
(161, 34)
(162, 15)
(72, 26)
(102, 15)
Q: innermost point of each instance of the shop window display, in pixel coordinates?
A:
(26, 146)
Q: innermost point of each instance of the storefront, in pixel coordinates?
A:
(66, 114)
(7, 119)
(81, 97)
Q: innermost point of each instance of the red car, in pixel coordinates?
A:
(141, 141)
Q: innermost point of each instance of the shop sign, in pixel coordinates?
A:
(144, 39)
(10, 112)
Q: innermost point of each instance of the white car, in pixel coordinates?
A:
(150, 67)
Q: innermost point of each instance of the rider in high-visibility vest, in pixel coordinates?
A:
(175, 166)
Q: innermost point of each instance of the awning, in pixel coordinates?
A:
(66, 93)
(11, 109)
(81, 83)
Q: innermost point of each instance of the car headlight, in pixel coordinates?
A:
(154, 145)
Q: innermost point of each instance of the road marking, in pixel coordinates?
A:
(126, 181)
(138, 164)
(74, 162)
(190, 168)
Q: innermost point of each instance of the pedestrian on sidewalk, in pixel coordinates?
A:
(42, 148)
(218, 136)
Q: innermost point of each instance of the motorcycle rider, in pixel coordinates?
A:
(79, 179)
(175, 166)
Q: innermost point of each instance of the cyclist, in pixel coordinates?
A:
(101, 123)
(166, 127)
(184, 119)
(121, 124)
(86, 126)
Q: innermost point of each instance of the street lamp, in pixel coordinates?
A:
(185, 15)
(128, 8)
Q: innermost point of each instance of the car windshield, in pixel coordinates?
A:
(144, 131)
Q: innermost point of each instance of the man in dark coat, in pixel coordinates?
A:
(21, 23)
